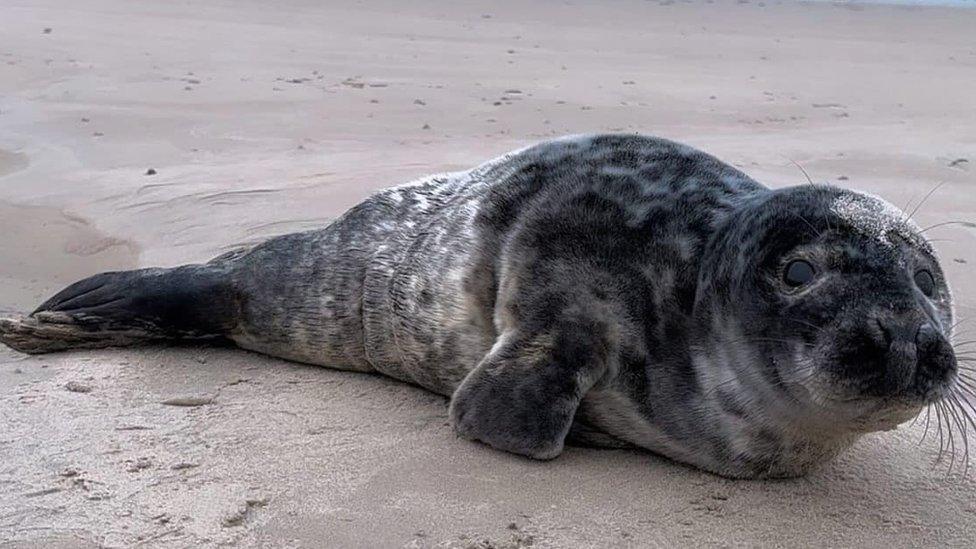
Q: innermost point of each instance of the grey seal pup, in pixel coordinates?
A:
(614, 290)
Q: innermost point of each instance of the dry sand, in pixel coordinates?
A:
(260, 120)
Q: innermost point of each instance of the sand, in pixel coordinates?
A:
(259, 118)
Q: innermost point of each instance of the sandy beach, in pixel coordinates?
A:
(157, 133)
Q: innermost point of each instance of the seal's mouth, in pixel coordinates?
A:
(866, 413)
(908, 362)
(907, 398)
(870, 381)
(858, 396)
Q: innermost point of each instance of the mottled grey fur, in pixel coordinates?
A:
(614, 289)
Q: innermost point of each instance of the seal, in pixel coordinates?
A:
(611, 290)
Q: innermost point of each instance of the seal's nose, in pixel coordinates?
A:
(896, 331)
(899, 337)
(917, 355)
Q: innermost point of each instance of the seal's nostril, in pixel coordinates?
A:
(906, 330)
(926, 333)
(885, 333)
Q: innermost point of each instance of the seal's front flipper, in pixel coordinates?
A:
(523, 395)
(124, 308)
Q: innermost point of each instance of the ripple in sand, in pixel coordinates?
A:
(11, 162)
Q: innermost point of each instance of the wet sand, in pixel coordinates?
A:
(42, 246)
(258, 120)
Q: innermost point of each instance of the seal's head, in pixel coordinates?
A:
(839, 302)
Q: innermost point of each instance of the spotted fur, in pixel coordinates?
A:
(609, 289)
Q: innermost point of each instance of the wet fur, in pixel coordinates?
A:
(585, 287)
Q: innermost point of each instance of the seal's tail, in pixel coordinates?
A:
(126, 308)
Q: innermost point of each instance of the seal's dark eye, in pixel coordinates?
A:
(925, 282)
(798, 273)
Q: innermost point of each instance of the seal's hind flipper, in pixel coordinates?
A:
(48, 332)
(129, 307)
